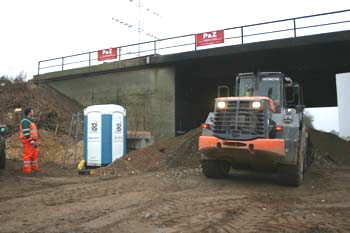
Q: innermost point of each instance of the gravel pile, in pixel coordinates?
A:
(181, 151)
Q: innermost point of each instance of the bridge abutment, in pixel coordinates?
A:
(147, 93)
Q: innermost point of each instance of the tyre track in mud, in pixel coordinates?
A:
(302, 220)
(318, 206)
(245, 211)
(69, 205)
(175, 201)
(24, 187)
(213, 212)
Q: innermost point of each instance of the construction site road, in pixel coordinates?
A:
(157, 189)
(176, 200)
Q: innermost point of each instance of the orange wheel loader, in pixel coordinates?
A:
(260, 128)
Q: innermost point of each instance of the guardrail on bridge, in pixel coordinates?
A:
(285, 28)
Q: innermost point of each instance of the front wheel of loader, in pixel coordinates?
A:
(293, 175)
(290, 175)
(2, 154)
(217, 169)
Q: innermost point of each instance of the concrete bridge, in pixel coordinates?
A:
(166, 94)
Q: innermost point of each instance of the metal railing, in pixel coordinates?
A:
(285, 28)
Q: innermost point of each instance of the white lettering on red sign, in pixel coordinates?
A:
(209, 38)
(107, 51)
(107, 54)
(209, 35)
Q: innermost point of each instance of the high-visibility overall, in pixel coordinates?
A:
(28, 134)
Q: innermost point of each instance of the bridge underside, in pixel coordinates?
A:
(312, 65)
(169, 93)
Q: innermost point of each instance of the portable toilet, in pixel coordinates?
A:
(104, 134)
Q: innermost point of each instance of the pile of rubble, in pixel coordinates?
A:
(329, 150)
(181, 151)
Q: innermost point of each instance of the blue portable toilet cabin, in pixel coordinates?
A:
(104, 134)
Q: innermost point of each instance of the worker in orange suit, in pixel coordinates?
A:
(29, 137)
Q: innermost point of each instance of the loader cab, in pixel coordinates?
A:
(268, 84)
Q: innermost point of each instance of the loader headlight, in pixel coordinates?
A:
(257, 105)
(221, 104)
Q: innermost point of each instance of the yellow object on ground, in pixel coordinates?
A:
(81, 165)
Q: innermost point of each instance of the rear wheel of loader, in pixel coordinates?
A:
(2, 154)
(215, 168)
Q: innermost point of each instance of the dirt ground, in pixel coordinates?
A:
(177, 200)
(161, 189)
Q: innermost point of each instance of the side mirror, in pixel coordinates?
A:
(222, 89)
(290, 95)
(299, 108)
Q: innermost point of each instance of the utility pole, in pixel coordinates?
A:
(138, 25)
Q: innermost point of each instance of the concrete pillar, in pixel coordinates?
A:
(343, 96)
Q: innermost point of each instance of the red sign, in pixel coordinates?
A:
(107, 54)
(208, 38)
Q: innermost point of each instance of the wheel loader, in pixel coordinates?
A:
(260, 128)
(2, 147)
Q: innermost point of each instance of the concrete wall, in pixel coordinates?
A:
(147, 93)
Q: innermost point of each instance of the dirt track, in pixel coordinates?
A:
(178, 200)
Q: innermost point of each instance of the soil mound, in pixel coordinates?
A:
(53, 113)
(52, 109)
(51, 148)
(329, 149)
(181, 151)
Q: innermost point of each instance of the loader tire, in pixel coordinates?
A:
(217, 169)
(290, 175)
(2, 154)
(310, 154)
(293, 175)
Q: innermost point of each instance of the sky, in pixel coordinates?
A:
(325, 119)
(35, 30)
